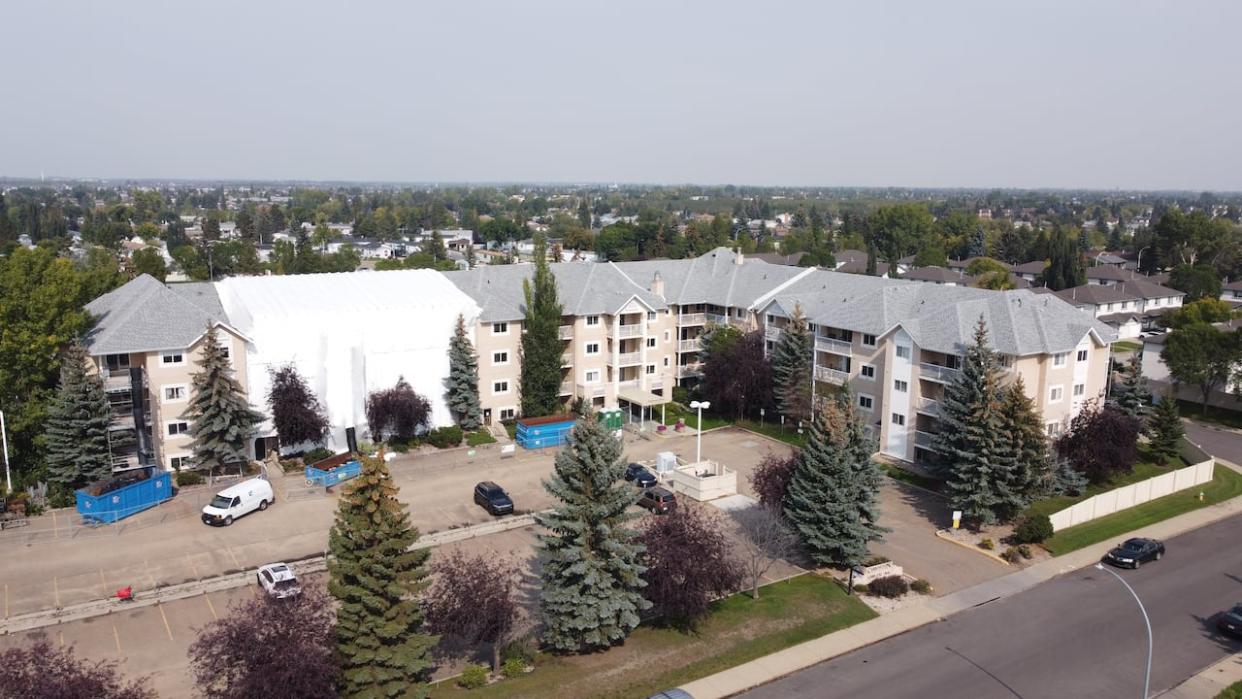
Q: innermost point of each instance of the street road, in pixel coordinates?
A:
(1078, 635)
(1217, 441)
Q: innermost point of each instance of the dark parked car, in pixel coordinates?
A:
(1230, 622)
(1135, 552)
(640, 475)
(658, 500)
(493, 498)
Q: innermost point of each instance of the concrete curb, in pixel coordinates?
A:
(1209, 681)
(940, 533)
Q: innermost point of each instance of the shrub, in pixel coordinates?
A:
(513, 667)
(1024, 551)
(987, 545)
(888, 586)
(1033, 530)
(185, 478)
(1011, 554)
(921, 586)
(770, 478)
(523, 649)
(445, 437)
(316, 454)
(473, 677)
(861, 589)
(875, 561)
(682, 395)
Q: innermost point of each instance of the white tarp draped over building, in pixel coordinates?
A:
(349, 334)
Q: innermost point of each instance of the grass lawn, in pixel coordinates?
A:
(787, 434)
(474, 439)
(1221, 416)
(738, 630)
(1233, 691)
(1142, 471)
(1225, 484)
(1127, 346)
(710, 420)
(898, 473)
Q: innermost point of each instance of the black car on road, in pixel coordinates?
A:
(640, 475)
(1230, 622)
(658, 500)
(493, 498)
(1135, 552)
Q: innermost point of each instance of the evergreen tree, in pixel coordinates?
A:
(296, 411)
(828, 503)
(1065, 268)
(374, 573)
(791, 368)
(1065, 479)
(541, 343)
(77, 448)
(592, 571)
(872, 258)
(1030, 469)
(868, 476)
(221, 420)
(1132, 394)
(462, 383)
(1166, 428)
(970, 443)
(978, 246)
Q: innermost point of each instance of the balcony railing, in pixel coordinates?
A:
(935, 372)
(689, 345)
(692, 319)
(628, 358)
(928, 406)
(629, 383)
(118, 380)
(773, 333)
(655, 382)
(567, 389)
(567, 359)
(565, 332)
(828, 344)
(823, 373)
(594, 390)
(688, 370)
(624, 331)
(927, 440)
(717, 319)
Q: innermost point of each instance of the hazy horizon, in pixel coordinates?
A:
(968, 95)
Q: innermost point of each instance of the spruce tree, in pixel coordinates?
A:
(868, 476)
(76, 434)
(592, 571)
(541, 343)
(462, 383)
(374, 574)
(1132, 394)
(221, 420)
(1166, 429)
(791, 368)
(1029, 465)
(827, 502)
(969, 442)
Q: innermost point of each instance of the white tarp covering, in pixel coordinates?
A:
(349, 334)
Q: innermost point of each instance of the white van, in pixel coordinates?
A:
(237, 500)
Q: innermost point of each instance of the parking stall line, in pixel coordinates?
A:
(6, 600)
(55, 526)
(234, 557)
(193, 567)
(104, 583)
(146, 564)
(164, 616)
(211, 606)
(56, 591)
(116, 636)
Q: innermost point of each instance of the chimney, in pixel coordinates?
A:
(657, 285)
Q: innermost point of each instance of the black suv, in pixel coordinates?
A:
(658, 500)
(640, 475)
(493, 498)
(1134, 553)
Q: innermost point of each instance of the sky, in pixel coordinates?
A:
(1082, 94)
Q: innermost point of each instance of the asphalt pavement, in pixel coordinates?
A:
(1077, 635)
(1218, 441)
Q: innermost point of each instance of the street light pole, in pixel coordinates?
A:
(698, 435)
(1147, 676)
(4, 438)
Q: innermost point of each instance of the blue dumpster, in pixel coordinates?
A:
(111, 499)
(328, 477)
(541, 432)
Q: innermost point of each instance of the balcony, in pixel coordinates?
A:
(828, 344)
(937, 373)
(689, 370)
(773, 333)
(624, 331)
(627, 358)
(717, 319)
(927, 406)
(117, 380)
(567, 389)
(691, 319)
(926, 440)
(629, 383)
(595, 390)
(567, 360)
(655, 383)
(689, 345)
(829, 375)
(565, 332)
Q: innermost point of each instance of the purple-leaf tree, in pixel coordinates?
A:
(1101, 441)
(41, 670)
(472, 599)
(770, 478)
(296, 411)
(689, 564)
(398, 412)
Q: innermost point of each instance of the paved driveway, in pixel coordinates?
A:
(1218, 441)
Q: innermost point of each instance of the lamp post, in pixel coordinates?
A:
(699, 405)
(4, 439)
(1147, 676)
(1139, 264)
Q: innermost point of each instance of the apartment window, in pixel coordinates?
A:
(500, 328)
(899, 419)
(172, 394)
(867, 371)
(1082, 355)
(592, 321)
(172, 358)
(178, 462)
(176, 428)
(1055, 394)
(1080, 389)
(116, 362)
(667, 336)
(508, 413)
(666, 361)
(865, 401)
(1005, 360)
(771, 319)
(499, 387)
(651, 342)
(868, 340)
(903, 352)
(651, 316)
(1058, 359)
(1053, 429)
(499, 358)
(651, 369)
(226, 350)
(592, 348)
(592, 376)
(901, 386)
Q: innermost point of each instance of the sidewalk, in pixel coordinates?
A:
(766, 669)
(1210, 682)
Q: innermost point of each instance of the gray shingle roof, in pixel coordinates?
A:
(146, 316)
(582, 288)
(714, 277)
(939, 274)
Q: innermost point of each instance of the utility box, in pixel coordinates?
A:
(666, 461)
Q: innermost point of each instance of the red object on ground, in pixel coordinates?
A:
(125, 594)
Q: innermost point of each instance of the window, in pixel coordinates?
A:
(175, 428)
(1058, 359)
(500, 328)
(867, 371)
(903, 352)
(865, 401)
(226, 350)
(901, 386)
(592, 321)
(651, 316)
(899, 419)
(1080, 389)
(1053, 429)
(499, 358)
(508, 413)
(651, 342)
(116, 362)
(771, 319)
(651, 369)
(592, 376)
(177, 463)
(499, 387)
(868, 340)
(172, 358)
(173, 394)
(1082, 355)
(592, 348)
(1055, 394)
(666, 361)
(667, 336)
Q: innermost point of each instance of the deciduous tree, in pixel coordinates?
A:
(541, 343)
(38, 669)
(766, 539)
(1202, 356)
(770, 479)
(296, 411)
(738, 379)
(398, 412)
(1100, 442)
(472, 599)
(689, 563)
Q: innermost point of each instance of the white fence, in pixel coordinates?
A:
(1128, 496)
